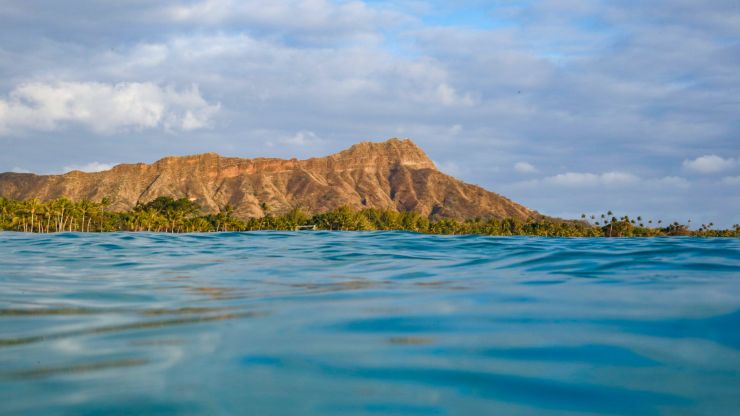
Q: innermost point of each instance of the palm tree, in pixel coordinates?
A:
(84, 209)
(104, 203)
(33, 206)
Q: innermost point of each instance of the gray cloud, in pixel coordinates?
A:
(567, 85)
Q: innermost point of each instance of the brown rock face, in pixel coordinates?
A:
(395, 174)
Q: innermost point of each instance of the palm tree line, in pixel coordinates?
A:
(171, 215)
(626, 226)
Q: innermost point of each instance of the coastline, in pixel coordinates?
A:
(168, 215)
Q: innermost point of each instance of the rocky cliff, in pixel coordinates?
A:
(394, 174)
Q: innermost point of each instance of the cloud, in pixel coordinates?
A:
(574, 83)
(709, 164)
(524, 167)
(451, 168)
(671, 182)
(320, 20)
(731, 180)
(270, 77)
(90, 167)
(577, 179)
(302, 138)
(448, 96)
(610, 180)
(103, 107)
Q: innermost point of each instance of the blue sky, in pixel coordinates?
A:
(567, 106)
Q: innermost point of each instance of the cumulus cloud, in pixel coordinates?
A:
(90, 167)
(103, 107)
(578, 179)
(302, 138)
(709, 164)
(524, 167)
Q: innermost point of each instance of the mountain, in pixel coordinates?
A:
(394, 174)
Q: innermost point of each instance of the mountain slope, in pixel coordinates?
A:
(395, 174)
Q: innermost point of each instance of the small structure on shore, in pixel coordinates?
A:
(311, 227)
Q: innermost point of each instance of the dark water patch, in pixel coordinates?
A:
(543, 282)
(402, 324)
(386, 408)
(410, 340)
(125, 264)
(588, 354)
(262, 360)
(715, 328)
(547, 394)
(111, 246)
(137, 405)
(411, 275)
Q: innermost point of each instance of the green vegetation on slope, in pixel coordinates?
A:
(182, 215)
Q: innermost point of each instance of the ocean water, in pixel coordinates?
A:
(391, 323)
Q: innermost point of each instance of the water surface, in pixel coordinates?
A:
(367, 323)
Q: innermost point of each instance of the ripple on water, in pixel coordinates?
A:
(367, 323)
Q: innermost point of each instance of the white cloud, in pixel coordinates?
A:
(451, 168)
(591, 179)
(524, 167)
(20, 170)
(448, 96)
(709, 164)
(302, 138)
(90, 167)
(731, 180)
(103, 108)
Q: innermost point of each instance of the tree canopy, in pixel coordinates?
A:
(165, 214)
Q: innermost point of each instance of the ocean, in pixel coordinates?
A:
(345, 323)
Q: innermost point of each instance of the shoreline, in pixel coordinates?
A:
(168, 215)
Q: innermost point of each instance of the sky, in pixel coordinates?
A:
(566, 106)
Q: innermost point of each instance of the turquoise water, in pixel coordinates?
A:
(319, 323)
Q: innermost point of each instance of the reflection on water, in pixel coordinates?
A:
(367, 323)
(122, 328)
(39, 372)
